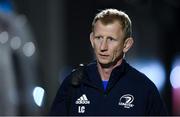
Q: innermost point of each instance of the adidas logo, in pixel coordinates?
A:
(82, 100)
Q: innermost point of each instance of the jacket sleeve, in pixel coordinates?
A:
(59, 106)
(155, 104)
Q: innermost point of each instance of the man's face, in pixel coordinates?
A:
(107, 42)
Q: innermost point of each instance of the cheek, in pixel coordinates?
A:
(95, 48)
(95, 44)
(117, 52)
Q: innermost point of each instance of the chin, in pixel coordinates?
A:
(104, 62)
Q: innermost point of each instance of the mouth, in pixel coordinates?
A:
(103, 55)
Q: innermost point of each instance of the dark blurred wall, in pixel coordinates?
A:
(47, 21)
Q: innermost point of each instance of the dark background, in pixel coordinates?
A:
(61, 31)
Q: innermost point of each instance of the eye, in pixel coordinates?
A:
(111, 39)
(98, 37)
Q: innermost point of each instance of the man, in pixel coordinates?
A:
(109, 85)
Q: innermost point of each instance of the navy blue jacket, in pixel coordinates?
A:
(128, 92)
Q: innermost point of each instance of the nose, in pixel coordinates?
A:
(104, 46)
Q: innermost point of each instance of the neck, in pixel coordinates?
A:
(105, 71)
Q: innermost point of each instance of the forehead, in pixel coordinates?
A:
(113, 28)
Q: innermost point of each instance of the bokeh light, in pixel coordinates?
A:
(38, 95)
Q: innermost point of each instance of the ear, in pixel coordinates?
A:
(128, 44)
(92, 39)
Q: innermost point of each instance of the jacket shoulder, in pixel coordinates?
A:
(140, 78)
(155, 103)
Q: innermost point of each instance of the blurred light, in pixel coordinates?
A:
(4, 37)
(153, 70)
(38, 95)
(29, 49)
(175, 73)
(81, 64)
(5, 6)
(15, 43)
(175, 77)
(175, 83)
(22, 19)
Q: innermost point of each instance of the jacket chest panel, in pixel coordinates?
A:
(89, 101)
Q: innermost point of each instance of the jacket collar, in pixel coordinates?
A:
(93, 77)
